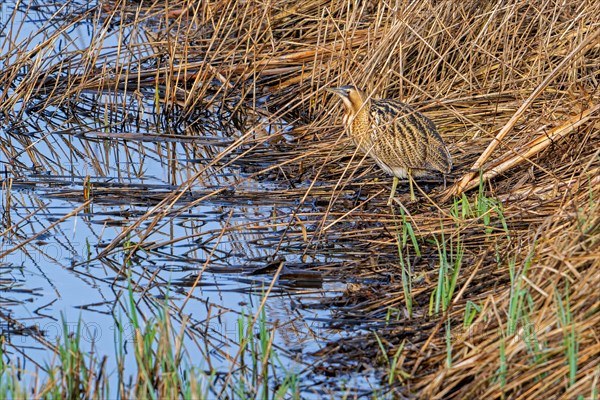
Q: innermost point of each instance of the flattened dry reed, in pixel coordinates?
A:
(512, 86)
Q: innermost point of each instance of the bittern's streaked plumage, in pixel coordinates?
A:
(401, 140)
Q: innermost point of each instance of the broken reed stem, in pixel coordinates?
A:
(461, 186)
(534, 147)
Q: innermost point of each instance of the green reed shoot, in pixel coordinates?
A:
(570, 341)
(392, 365)
(405, 265)
(450, 261)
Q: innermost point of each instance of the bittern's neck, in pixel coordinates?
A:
(355, 111)
(358, 102)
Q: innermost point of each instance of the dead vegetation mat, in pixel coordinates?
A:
(513, 87)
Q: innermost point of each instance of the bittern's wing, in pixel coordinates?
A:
(412, 137)
(402, 136)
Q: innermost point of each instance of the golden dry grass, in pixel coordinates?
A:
(513, 88)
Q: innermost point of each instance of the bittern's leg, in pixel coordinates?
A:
(410, 183)
(394, 186)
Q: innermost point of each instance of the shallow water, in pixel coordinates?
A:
(227, 246)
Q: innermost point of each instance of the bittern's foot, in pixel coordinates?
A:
(391, 199)
(406, 202)
(402, 205)
(397, 201)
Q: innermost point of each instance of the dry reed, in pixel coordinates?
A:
(512, 86)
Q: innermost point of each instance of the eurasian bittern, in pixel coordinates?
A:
(401, 140)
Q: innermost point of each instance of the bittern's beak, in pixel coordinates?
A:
(339, 91)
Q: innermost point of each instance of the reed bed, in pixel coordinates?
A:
(486, 287)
